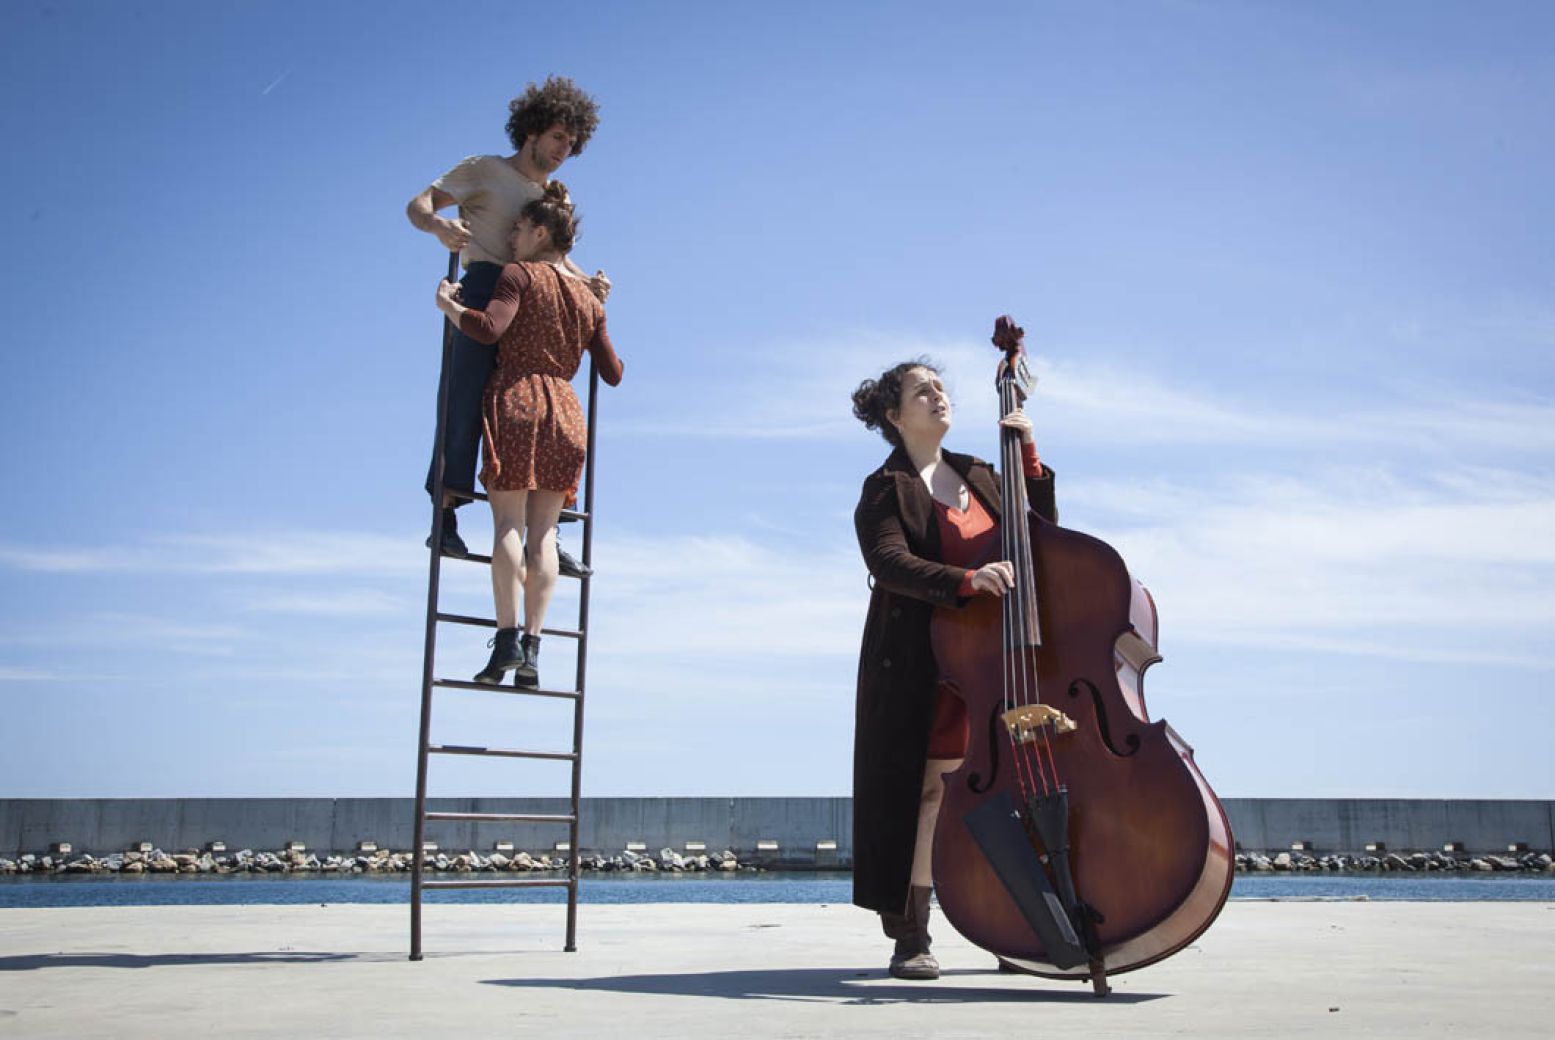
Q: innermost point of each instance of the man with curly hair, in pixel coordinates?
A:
(547, 125)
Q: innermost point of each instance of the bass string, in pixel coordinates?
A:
(1011, 617)
(1022, 602)
(1020, 554)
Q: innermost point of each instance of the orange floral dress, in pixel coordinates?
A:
(534, 430)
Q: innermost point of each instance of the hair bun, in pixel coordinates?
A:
(556, 191)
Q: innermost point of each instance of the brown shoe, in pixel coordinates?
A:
(911, 959)
(918, 967)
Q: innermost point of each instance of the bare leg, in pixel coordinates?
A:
(928, 814)
(542, 511)
(911, 959)
(507, 554)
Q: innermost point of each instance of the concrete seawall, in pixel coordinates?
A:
(770, 831)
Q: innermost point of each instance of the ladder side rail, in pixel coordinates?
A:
(434, 570)
(573, 852)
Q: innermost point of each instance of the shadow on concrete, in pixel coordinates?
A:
(37, 961)
(843, 985)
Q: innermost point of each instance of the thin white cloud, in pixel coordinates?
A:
(253, 553)
(344, 603)
(729, 596)
(800, 391)
(1345, 562)
(13, 673)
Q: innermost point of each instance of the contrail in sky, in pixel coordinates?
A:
(276, 83)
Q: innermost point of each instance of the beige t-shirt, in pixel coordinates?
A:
(490, 194)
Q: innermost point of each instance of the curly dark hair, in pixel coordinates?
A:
(553, 211)
(875, 397)
(538, 109)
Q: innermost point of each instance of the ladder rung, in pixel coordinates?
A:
(481, 558)
(460, 684)
(504, 883)
(480, 817)
(465, 619)
(463, 749)
(479, 496)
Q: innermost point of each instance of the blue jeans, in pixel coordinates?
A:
(469, 366)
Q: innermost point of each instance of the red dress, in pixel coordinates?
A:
(964, 537)
(534, 430)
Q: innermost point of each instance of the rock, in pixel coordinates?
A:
(1480, 865)
(523, 861)
(183, 859)
(138, 867)
(1543, 861)
(134, 856)
(7, 866)
(1393, 861)
(499, 861)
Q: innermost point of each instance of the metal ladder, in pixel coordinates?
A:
(425, 748)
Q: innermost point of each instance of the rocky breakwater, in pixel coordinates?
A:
(1416, 862)
(382, 861)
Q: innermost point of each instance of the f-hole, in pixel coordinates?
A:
(1080, 686)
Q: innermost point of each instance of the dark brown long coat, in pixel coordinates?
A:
(897, 676)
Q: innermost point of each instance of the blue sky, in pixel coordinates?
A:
(1285, 271)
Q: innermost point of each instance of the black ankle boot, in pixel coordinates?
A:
(453, 545)
(506, 654)
(528, 670)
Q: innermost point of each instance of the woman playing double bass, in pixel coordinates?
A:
(925, 520)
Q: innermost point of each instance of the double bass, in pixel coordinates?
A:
(1078, 838)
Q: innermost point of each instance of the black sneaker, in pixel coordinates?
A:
(453, 545)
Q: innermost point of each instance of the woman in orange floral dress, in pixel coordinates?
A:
(542, 318)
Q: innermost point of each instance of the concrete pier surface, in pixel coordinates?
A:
(1276, 969)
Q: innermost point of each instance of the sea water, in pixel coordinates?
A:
(816, 887)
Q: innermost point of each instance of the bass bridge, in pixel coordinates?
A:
(1026, 723)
